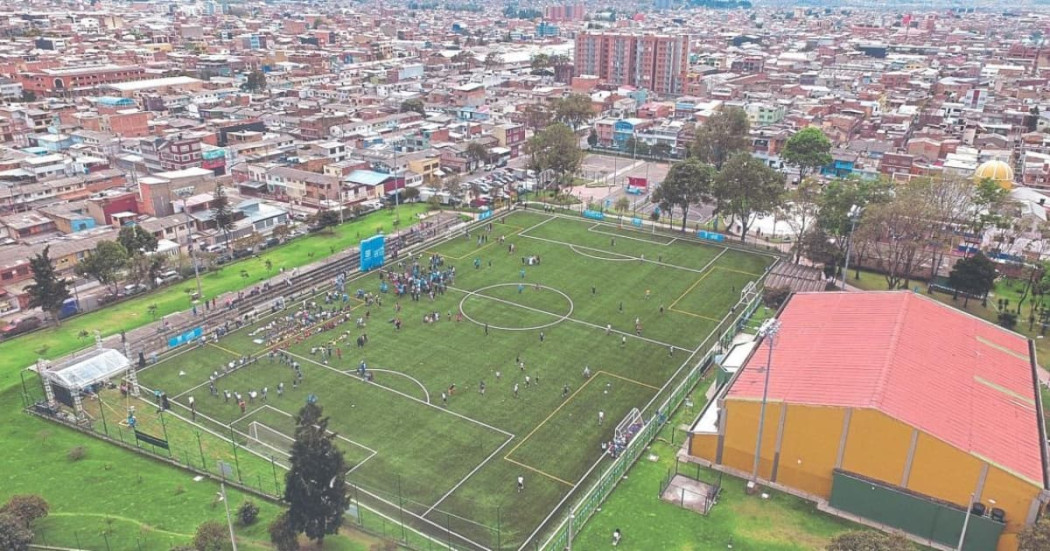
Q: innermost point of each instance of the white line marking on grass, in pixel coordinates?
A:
(470, 474)
(403, 395)
(660, 243)
(477, 292)
(407, 376)
(623, 257)
(571, 245)
(536, 225)
(574, 320)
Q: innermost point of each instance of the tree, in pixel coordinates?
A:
(808, 150)
(212, 536)
(136, 240)
(493, 60)
(220, 206)
(592, 138)
(869, 540)
(540, 61)
(282, 231)
(537, 116)
(574, 110)
(1031, 121)
(622, 204)
(721, 136)
(819, 249)
(687, 183)
(409, 194)
(248, 242)
(833, 212)
(476, 152)
(48, 291)
(800, 210)
(745, 188)
(314, 485)
(282, 535)
(898, 234)
(555, 148)
(634, 146)
(13, 535)
(27, 508)
(1035, 537)
(974, 275)
(104, 264)
(413, 105)
(326, 219)
(660, 149)
(255, 81)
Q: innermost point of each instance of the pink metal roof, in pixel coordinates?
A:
(947, 373)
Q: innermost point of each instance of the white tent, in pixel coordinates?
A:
(94, 367)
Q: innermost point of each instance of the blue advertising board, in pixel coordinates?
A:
(189, 336)
(485, 215)
(636, 222)
(594, 214)
(373, 252)
(711, 236)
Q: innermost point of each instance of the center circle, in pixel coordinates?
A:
(478, 294)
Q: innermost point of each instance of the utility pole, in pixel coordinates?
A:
(854, 216)
(229, 521)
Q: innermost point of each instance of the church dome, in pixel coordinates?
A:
(997, 171)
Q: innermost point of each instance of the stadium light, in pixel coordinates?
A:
(768, 330)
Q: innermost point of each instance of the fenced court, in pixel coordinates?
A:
(554, 355)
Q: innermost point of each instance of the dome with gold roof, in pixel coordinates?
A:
(998, 171)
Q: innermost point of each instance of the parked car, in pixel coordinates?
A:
(20, 326)
(272, 242)
(242, 253)
(133, 289)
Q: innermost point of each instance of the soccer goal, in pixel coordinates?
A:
(270, 438)
(631, 425)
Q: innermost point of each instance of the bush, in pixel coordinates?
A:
(773, 297)
(77, 453)
(869, 540)
(248, 513)
(13, 535)
(26, 508)
(282, 535)
(212, 536)
(1008, 319)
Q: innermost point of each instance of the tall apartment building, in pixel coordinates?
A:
(656, 62)
(565, 12)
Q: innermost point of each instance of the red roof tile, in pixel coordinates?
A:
(947, 373)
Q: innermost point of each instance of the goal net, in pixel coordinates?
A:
(631, 425)
(272, 439)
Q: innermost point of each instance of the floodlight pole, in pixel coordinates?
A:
(768, 330)
(966, 524)
(229, 522)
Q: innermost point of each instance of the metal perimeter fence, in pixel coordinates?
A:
(703, 501)
(234, 455)
(656, 413)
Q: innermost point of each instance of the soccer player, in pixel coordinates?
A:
(521, 483)
(601, 417)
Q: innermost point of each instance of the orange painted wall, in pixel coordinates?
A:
(810, 447)
(941, 471)
(877, 446)
(1013, 495)
(741, 432)
(703, 445)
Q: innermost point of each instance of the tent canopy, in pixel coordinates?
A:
(94, 367)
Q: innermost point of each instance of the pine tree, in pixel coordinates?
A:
(220, 205)
(314, 486)
(48, 291)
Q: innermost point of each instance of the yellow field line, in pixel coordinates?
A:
(691, 287)
(692, 314)
(537, 427)
(639, 383)
(226, 350)
(537, 471)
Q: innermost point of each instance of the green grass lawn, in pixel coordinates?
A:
(136, 502)
(59, 341)
(456, 464)
(780, 523)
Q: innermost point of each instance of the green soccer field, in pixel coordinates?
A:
(456, 464)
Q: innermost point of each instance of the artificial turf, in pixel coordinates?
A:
(629, 306)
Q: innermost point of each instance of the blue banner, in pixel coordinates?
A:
(188, 336)
(485, 215)
(594, 214)
(373, 252)
(631, 190)
(710, 236)
(636, 222)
